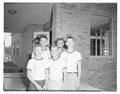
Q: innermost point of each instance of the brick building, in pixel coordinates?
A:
(98, 69)
(94, 27)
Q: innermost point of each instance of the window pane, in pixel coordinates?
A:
(92, 46)
(7, 47)
(103, 32)
(92, 32)
(98, 31)
(98, 47)
(103, 47)
(110, 41)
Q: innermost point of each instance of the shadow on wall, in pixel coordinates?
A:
(25, 81)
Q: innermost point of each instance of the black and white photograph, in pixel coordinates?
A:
(69, 47)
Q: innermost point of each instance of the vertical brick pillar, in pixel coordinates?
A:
(73, 19)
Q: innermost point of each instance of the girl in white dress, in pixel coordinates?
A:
(57, 70)
(37, 70)
(73, 60)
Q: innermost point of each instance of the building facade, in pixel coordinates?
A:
(98, 46)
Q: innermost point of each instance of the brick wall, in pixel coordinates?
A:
(74, 19)
(101, 73)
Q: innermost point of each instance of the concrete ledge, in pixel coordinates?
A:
(13, 84)
(16, 84)
(86, 87)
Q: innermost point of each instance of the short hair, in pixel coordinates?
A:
(70, 37)
(36, 40)
(58, 39)
(43, 36)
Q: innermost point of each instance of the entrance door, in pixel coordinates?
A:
(13, 53)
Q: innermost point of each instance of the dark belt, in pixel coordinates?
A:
(71, 72)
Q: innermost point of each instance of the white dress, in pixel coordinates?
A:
(56, 74)
(71, 60)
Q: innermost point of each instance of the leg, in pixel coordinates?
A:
(71, 82)
(55, 84)
(32, 87)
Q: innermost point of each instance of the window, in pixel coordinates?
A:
(101, 38)
(7, 47)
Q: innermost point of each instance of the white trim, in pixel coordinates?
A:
(112, 34)
(101, 56)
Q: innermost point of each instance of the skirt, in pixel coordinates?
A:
(55, 85)
(71, 81)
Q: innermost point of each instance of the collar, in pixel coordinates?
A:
(70, 52)
(56, 58)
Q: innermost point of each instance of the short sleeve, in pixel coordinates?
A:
(63, 55)
(49, 54)
(30, 64)
(48, 63)
(79, 57)
(64, 65)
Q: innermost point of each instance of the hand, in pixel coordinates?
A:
(39, 87)
(45, 87)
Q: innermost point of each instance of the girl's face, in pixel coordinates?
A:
(70, 43)
(54, 51)
(43, 42)
(38, 51)
(60, 43)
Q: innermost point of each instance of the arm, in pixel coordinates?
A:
(79, 73)
(29, 75)
(33, 55)
(65, 74)
(46, 76)
(79, 69)
(47, 73)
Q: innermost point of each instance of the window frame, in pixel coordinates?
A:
(96, 37)
(108, 16)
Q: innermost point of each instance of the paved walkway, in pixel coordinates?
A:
(16, 84)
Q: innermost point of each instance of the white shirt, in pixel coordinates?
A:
(71, 60)
(45, 53)
(38, 68)
(56, 68)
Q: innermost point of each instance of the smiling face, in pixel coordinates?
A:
(70, 42)
(60, 43)
(43, 42)
(38, 51)
(54, 51)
